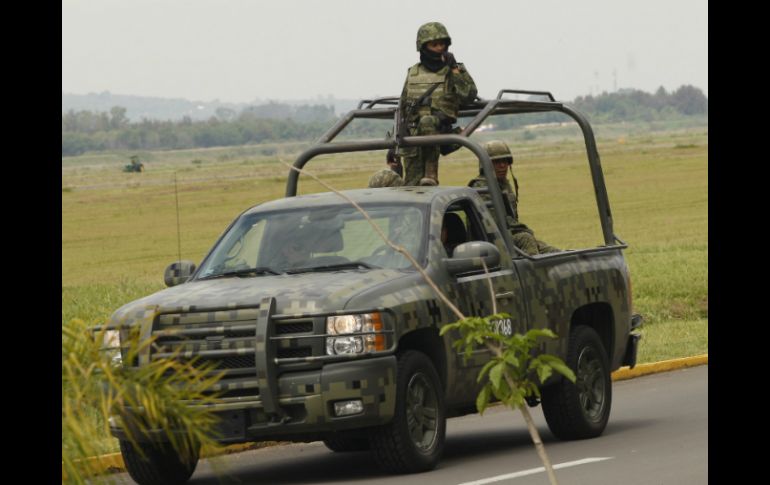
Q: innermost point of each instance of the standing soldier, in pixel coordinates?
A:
(433, 91)
(502, 160)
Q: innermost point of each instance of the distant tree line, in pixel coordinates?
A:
(84, 131)
(625, 105)
(635, 105)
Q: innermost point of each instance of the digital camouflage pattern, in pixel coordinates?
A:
(178, 272)
(432, 31)
(523, 236)
(385, 178)
(268, 332)
(437, 113)
(498, 150)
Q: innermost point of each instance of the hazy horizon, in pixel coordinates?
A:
(237, 51)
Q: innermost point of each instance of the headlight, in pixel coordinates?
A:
(354, 324)
(111, 346)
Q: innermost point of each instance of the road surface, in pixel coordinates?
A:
(657, 434)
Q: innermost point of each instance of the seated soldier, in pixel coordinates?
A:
(294, 254)
(388, 177)
(394, 162)
(292, 246)
(453, 232)
(502, 159)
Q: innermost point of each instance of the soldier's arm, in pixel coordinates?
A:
(464, 85)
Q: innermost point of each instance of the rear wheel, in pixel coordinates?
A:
(414, 440)
(157, 464)
(581, 410)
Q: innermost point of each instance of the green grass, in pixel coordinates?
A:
(119, 230)
(673, 339)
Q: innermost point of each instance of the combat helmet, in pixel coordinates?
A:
(385, 178)
(432, 31)
(498, 150)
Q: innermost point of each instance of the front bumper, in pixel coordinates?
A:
(267, 394)
(305, 404)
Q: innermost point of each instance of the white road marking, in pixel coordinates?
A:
(532, 471)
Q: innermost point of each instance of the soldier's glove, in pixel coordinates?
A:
(449, 58)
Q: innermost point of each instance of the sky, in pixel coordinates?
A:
(244, 50)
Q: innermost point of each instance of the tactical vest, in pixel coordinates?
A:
(419, 80)
(505, 189)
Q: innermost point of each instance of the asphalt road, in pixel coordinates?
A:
(657, 434)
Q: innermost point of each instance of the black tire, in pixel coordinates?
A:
(344, 442)
(160, 465)
(581, 410)
(414, 440)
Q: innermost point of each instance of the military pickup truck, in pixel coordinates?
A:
(323, 332)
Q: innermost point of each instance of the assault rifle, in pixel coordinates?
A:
(404, 113)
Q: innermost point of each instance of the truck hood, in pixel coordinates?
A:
(297, 293)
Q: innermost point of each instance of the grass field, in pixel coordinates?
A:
(119, 230)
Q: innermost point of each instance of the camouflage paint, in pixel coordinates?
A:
(271, 329)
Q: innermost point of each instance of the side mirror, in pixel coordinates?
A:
(468, 256)
(178, 272)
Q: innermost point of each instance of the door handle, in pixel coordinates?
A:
(502, 296)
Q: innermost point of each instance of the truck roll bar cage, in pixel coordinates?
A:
(478, 111)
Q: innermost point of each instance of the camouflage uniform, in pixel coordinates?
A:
(437, 112)
(385, 178)
(523, 237)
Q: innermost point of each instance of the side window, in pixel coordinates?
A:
(461, 224)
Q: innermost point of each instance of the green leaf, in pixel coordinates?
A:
(485, 369)
(511, 359)
(559, 366)
(468, 352)
(482, 400)
(535, 333)
(515, 400)
(543, 372)
(496, 374)
(562, 369)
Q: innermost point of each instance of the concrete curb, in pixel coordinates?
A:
(662, 366)
(113, 462)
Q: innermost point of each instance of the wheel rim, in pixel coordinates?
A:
(591, 384)
(421, 411)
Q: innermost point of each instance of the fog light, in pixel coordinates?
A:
(348, 408)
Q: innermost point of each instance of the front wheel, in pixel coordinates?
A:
(580, 410)
(414, 440)
(346, 441)
(157, 464)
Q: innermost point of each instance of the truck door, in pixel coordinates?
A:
(462, 223)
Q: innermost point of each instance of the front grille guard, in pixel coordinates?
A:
(261, 339)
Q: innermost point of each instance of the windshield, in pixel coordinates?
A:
(316, 239)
